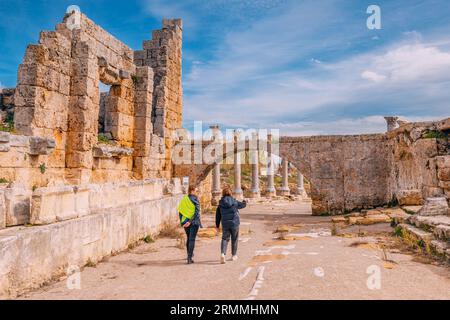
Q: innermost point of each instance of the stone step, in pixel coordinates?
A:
(441, 248)
(426, 240)
(429, 223)
(417, 233)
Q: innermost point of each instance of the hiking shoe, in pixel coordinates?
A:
(222, 259)
(190, 261)
(234, 258)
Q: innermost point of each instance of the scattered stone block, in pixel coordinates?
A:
(412, 209)
(17, 204)
(354, 220)
(373, 212)
(442, 232)
(373, 219)
(51, 204)
(439, 247)
(409, 197)
(434, 207)
(417, 233)
(338, 219)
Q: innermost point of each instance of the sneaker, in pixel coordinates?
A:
(234, 258)
(222, 259)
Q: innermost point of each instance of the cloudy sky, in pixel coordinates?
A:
(304, 67)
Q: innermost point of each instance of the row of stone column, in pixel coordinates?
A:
(255, 189)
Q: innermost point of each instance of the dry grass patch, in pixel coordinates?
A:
(170, 229)
(208, 233)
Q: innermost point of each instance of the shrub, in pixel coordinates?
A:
(435, 134)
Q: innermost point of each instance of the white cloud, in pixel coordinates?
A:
(372, 76)
(412, 62)
(264, 76)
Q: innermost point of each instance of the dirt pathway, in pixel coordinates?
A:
(309, 264)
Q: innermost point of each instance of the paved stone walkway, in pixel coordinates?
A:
(309, 264)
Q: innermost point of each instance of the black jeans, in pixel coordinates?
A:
(226, 234)
(191, 233)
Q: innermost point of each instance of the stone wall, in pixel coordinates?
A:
(164, 55)
(67, 195)
(419, 161)
(76, 225)
(345, 172)
(57, 97)
(29, 161)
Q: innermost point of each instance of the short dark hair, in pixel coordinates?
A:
(191, 189)
(227, 192)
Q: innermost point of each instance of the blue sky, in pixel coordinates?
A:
(304, 67)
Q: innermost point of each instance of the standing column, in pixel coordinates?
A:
(216, 192)
(300, 185)
(271, 191)
(391, 123)
(238, 194)
(285, 176)
(255, 167)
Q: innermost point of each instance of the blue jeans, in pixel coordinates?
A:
(228, 233)
(191, 233)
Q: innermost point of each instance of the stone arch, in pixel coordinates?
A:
(198, 173)
(346, 172)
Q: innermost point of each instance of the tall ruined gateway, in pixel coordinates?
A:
(85, 173)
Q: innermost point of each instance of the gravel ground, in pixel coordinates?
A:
(309, 264)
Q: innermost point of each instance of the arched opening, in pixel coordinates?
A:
(288, 181)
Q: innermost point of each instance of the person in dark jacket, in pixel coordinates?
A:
(191, 227)
(228, 213)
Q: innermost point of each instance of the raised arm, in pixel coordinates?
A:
(241, 205)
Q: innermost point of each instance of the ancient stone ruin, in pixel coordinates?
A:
(404, 166)
(94, 168)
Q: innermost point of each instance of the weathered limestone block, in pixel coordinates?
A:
(173, 187)
(434, 207)
(136, 189)
(5, 137)
(95, 197)
(409, 197)
(444, 124)
(51, 204)
(17, 204)
(153, 189)
(443, 164)
(108, 151)
(41, 146)
(82, 206)
(2, 208)
(79, 159)
(177, 186)
(4, 142)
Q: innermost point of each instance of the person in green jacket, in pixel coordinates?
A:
(189, 213)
